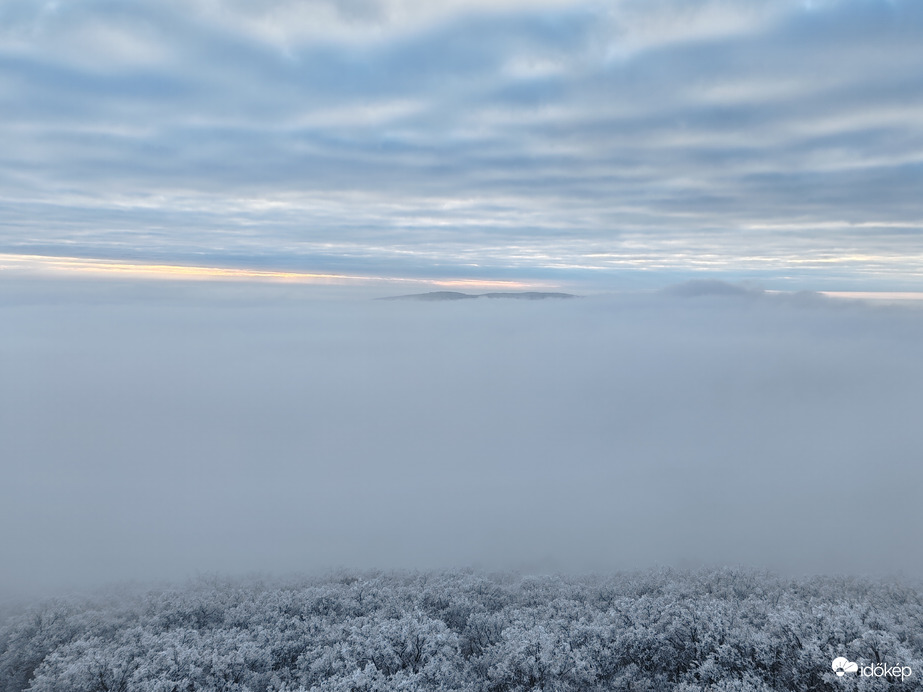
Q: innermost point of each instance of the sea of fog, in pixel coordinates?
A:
(158, 433)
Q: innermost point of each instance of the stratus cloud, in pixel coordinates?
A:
(568, 134)
(289, 23)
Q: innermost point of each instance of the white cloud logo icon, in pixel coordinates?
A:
(841, 666)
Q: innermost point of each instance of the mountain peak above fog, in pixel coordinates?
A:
(456, 295)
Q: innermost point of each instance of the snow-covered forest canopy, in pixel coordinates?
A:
(719, 629)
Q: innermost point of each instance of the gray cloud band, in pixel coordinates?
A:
(736, 137)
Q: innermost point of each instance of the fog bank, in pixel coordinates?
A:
(161, 435)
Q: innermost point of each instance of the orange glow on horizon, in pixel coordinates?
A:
(41, 264)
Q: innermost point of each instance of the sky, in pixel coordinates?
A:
(572, 144)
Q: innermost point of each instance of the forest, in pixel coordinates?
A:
(469, 631)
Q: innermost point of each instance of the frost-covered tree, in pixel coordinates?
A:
(716, 631)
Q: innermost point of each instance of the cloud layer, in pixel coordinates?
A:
(575, 141)
(172, 430)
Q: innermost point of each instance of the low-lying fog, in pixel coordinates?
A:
(152, 434)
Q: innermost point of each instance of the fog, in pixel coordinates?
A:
(153, 431)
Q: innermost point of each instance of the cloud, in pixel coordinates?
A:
(710, 287)
(571, 139)
(160, 430)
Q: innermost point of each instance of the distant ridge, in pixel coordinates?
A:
(456, 295)
(529, 295)
(434, 295)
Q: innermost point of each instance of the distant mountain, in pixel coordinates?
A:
(529, 295)
(434, 295)
(455, 295)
